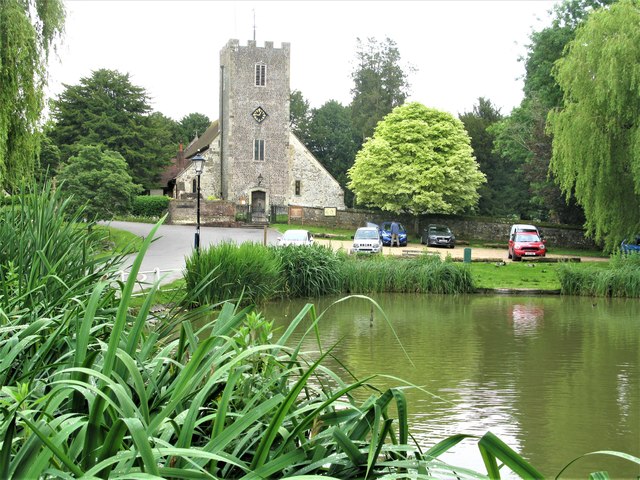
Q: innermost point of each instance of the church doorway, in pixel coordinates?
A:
(258, 206)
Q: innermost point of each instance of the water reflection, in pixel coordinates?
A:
(554, 377)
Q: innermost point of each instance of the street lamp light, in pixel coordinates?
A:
(198, 164)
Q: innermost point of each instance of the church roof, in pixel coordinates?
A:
(201, 144)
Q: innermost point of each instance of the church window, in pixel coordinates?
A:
(194, 186)
(261, 74)
(298, 187)
(258, 149)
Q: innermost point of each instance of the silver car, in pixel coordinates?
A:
(367, 240)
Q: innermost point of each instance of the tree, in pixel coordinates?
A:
(332, 141)
(190, 126)
(596, 144)
(299, 114)
(380, 84)
(502, 194)
(418, 160)
(107, 109)
(99, 179)
(28, 30)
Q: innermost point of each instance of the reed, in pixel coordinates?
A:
(310, 271)
(620, 279)
(428, 274)
(249, 271)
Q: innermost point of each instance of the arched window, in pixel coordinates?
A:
(194, 186)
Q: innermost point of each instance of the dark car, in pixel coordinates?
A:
(385, 233)
(438, 236)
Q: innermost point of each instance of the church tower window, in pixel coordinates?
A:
(258, 149)
(261, 74)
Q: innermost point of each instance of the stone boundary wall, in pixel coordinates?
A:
(212, 212)
(464, 228)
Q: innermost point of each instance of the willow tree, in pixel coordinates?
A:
(596, 143)
(28, 29)
(418, 160)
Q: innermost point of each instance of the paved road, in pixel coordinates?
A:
(175, 242)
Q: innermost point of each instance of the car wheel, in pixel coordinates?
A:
(516, 258)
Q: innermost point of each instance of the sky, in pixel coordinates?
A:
(460, 50)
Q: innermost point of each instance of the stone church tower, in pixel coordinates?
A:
(251, 156)
(254, 113)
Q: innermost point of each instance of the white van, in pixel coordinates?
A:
(520, 227)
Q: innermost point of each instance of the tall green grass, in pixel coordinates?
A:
(620, 279)
(427, 274)
(310, 271)
(249, 271)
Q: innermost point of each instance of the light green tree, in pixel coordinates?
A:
(98, 179)
(28, 29)
(596, 134)
(418, 160)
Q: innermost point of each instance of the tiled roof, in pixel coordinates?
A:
(202, 143)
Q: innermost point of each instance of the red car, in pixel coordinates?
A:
(526, 244)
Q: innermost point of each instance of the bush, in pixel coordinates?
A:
(249, 270)
(621, 279)
(150, 206)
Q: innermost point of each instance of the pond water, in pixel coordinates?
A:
(554, 377)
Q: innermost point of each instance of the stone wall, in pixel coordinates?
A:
(209, 179)
(218, 213)
(464, 228)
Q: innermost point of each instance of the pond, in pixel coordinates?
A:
(554, 377)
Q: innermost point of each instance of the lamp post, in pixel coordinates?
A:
(198, 164)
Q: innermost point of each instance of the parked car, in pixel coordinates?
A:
(526, 244)
(438, 236)
(630, 247)
(385, 233)
(521, 227)
(367, 240)
(295, 237)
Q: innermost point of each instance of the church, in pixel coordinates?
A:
(251, 155)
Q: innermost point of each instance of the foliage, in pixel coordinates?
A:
(190, 126)
(380, 84)
(309, 271)
(98, 179)
(621, 279)
(299, 113)
(107, 109)
(150, 205)
(332, 141)
(248, 272)
(426, 274)
(47, 254)
(522, 136)
(502, 194)
(29, 28)
(419, 160)
(596, 146)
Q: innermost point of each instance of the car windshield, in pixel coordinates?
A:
(366, 234)
(439, 231)
(527, 237)
(295, 235)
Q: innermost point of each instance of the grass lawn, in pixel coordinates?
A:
(120, 241)
(522, 275)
